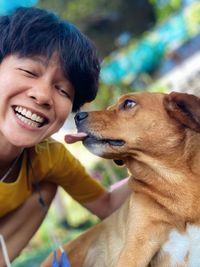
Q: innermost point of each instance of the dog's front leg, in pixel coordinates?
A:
(139, 250)
(147, 230)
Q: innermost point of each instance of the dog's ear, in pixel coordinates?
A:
(118, 162)
(185, 108)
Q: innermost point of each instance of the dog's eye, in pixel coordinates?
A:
(128, 103)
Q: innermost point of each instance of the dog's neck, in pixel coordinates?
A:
(167, 179)
(170, 164)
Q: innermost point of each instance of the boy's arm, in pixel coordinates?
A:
(20, 225)
(110, 200)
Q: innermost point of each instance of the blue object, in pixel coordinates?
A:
(55, 262)
(7, 6)
(64, 261)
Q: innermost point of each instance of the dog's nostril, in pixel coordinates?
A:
(80, 116)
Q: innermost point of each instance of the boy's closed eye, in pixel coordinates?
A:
(28, 73)
(61, 90)
(64, 92)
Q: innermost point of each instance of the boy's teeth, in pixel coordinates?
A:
(19, 109)
(23, 112)
(27, 121)
(33, 117)
(29, 114)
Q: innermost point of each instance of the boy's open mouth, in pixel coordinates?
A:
(28, 117)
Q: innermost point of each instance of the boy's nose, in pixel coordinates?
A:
(80, 117)
(41, 95)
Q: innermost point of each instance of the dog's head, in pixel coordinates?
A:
(152, 123)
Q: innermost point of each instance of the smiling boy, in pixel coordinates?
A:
(48, 68)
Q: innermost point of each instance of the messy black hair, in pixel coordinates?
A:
(33, 31)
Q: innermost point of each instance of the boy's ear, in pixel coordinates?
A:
(184, 108)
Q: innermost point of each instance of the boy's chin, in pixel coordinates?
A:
(25, 142)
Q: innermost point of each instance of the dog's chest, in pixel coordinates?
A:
(183, 249)
(104, 254)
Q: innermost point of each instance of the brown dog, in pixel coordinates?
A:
(157, 136)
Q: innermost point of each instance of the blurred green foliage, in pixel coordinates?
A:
(110, 172)
(78, 11)
(193, 19)
(34, 256)
(105, 21)
(164, 8)
(54, 232)
(107, 95)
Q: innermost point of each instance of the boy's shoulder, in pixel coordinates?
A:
(50, 149)
(51, 154)
(49, 144)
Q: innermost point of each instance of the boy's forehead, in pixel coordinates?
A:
(45, 60)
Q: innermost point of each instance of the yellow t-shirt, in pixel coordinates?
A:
(50, 161)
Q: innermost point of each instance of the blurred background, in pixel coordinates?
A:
(149, 45)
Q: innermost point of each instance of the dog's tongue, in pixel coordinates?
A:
(72, 138)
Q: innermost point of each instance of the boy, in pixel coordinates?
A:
(48, 68)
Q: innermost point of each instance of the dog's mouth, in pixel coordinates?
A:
(91, 139)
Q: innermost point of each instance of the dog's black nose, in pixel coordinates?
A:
(80, 116)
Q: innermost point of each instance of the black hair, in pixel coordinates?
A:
(33, 31)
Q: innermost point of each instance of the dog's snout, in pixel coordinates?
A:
(80, 116)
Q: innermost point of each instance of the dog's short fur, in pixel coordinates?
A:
(157, 136)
